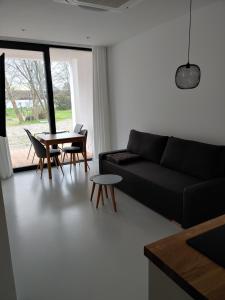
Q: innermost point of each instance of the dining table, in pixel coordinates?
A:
(61, 138)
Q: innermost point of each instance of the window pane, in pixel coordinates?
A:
(72, 85)
(26, 101)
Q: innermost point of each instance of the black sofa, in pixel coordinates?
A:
(181, 179)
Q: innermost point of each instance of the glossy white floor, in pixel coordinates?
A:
(65, 249)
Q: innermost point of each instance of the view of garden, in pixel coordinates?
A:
(26, 103)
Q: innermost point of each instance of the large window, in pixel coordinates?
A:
(43, 93)
(61, 79)
(26, 101)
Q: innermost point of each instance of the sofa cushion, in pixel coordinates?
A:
(159, 188)
(161, 176)
(122, 157)
(194, 158)
(147, 145)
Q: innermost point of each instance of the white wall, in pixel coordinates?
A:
(143, 94)
(7, 284)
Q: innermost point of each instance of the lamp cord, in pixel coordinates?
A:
(189, 34)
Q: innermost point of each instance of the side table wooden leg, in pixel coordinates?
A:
(92, 191)
(99, 195)
(113, 197)
(106, 192)
(102, 196)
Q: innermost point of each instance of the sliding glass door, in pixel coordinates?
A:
(48, 89)
(2, 96)
(26, 102)
(72, 90)
(62, 89)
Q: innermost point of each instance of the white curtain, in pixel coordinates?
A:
(5, 160)
(101, 115)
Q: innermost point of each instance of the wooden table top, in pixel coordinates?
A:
(200, 277)
(59, 137)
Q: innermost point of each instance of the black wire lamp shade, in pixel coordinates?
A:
(188, 76)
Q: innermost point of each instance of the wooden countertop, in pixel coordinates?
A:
(200, 277)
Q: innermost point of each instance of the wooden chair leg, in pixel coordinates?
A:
(39, 164)
(78, 159)
(42, 166)
(92, 191)
(61, 154)
(55, 161)
(113, 197)
(33, 157)
(99, 195)
(106, 192)
(71, 161)
(64, 154)
(29, 151)
(87, 163)
(59, 163)
(74, 159)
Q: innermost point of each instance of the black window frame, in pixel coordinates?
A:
(45, 49)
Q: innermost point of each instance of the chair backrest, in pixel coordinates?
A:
(28, 133)
(38, 147)
(84, 132)
(78, 127)
(79, 144)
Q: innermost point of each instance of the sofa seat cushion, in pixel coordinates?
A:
(122, 157)
(147, 145)
(157, 187)
(161, 176)
(194, 158)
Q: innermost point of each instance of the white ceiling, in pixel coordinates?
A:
(45, 20)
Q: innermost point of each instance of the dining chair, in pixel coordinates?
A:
(41, 153)
(29, 134)
(77, 129)
(75, 149)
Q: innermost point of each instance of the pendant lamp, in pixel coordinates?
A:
(188, 76)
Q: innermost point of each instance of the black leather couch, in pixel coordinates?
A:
(181, 179)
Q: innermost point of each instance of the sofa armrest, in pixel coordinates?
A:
(102, 155)
(203, 201)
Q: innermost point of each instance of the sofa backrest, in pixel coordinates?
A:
(147, 145)
(201, 160)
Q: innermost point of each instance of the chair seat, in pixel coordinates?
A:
(71, 149)
(54, 152)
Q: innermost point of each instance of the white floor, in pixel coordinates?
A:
(65, 249)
